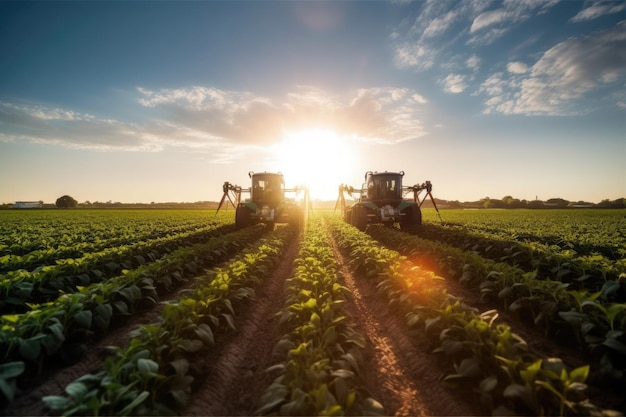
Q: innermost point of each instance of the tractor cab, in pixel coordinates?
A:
(267, 188)
(383, 188)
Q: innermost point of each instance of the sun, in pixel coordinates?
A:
(319, 158)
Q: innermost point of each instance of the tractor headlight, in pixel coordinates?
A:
(387, 213)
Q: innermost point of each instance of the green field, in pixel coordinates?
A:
(70, 277)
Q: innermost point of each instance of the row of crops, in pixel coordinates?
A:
(51, 313)
(53, 306)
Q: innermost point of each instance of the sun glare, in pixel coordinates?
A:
(319, 158)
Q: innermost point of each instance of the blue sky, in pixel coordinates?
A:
(140, 101)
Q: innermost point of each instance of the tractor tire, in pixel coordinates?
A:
(347, 216)
(242, 217)
(412, 219)
(359, 217)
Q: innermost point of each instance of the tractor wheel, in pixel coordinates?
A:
(359, 217)
(412, 219)
(242, 217)
(347, 216)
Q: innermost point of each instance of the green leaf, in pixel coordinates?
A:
(11, 369)
(316, 320)
(83, 319)
(579, 374)
(573, 317)
(140, 398)
(204, 332)
(615, 345)
(518, 391)
(191, 345)
(342, 373)
(488, 384)
(470, 368)
(181, 366)
(104, 312)
(76, 390)
(30, 349)
(431, 323)
(56, 402)
(229, 320)
(505, 292)
(147, 366)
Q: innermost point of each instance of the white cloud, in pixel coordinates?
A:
(492, 24)
(213, 120)
(517, 67)
(414, 55)
(413, 45)
(454, 83)
(473, 63)
(490, 18)
(494, 85)
(418, 98)
(440, 24)
(563, 74)
(73, 129)
(598, 9)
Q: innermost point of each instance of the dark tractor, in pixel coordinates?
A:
(381, 200)
(267, 203)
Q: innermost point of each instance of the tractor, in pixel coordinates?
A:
(267, 203)
(381, 200)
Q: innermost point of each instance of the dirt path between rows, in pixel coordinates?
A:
(237, 378)
(402, 377)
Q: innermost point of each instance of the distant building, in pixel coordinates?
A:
(27, 204)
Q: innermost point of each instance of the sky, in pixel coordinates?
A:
(161, 101)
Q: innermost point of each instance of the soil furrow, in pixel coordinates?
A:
(403, 378)
(236, 377)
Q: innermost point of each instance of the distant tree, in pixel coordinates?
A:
(507, 199)
(606, 203)
(66, 202)
(557, 202)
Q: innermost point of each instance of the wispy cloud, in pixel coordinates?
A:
(597, 9)
(492, 24)
(454, 83)
(212, 120)
(242, 117)
(70, 128)
(473, 63)
(564, 73)
(422, 45)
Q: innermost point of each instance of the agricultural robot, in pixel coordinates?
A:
(267, 203)
(381, 200)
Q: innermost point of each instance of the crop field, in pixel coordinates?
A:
(178, 312)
